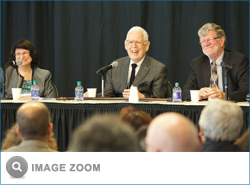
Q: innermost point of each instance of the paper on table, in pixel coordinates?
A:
(42, 98)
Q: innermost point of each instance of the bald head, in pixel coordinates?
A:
(172, 132)
(33, 120)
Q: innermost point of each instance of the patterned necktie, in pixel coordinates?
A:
(132, 77)
(214, 77)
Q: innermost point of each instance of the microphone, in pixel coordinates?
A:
(106, 68)
(7, 64)
(220, 63)
(17, 62)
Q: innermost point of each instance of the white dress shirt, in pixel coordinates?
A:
(136, 69)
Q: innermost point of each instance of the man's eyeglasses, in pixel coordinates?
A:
(138, 43)
(208, 40)
(26, 53)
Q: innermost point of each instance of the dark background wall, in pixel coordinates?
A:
(75, 39)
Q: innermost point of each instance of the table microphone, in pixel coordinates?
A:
(220, 63)
(106, 68)
(17, 62)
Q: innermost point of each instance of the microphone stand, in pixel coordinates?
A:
(226, 83)
(102, 84)
(102, 73)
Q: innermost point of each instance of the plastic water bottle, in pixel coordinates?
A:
(35, 93)
(176, 93)
(79, 92)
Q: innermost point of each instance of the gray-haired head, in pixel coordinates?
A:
(138, 28)
(221, 120)
(203, 31)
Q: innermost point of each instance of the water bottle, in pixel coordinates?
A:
(79, 92)
(35, 93)
(176, 93)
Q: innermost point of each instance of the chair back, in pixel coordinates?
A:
(170, 90)
(55, 89)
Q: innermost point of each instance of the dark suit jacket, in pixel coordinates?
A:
(238, 77)
(219, 146)
(151, 79)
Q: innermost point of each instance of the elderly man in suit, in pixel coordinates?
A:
(148, 74)
(34, 127)
(213, 41)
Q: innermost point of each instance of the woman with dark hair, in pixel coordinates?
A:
(22, 76)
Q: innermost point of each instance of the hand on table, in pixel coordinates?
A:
(86, 94)
(126, 93)
(217, 94)
(213, 93)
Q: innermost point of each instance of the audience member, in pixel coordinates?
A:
(172, 132)
(243, 141)
(12, 139)
(33, 127)
(220, 123)
(103, 133)
(134, 117)
(140, 136)
(52, 142)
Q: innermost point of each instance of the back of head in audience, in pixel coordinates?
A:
(243, 141)
(33, 121)
(134, 117)
(140, 136)
(221, 120)
(172, 132)
(103, 133)
(12, 139)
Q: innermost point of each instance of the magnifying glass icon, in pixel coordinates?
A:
(16, 166)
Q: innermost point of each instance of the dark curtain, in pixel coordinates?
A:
(75, 39)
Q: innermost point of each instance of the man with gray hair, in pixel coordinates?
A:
(172, 132)
(213, 42)
(137, 69)
(220, 125)
(33, 127)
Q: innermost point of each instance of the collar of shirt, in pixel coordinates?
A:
(138, 64)
(220, 57)
(136, 69)
(219, 72)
